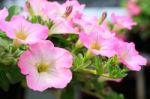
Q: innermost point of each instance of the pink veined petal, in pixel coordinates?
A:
(27, 61)
(63, 58)
(62, 27)
(39, 82)
(3, 14)
(123, 21)
(84, 38)
(107, 48)
(129, 56)
(60, 77)
(5, 27)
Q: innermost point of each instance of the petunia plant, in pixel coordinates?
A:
(57, 46)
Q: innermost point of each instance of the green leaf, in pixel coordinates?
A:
(4, 82)
(2, 35)
(113, 95)
(98, 65)
(115, 69)
(13, 10)
(14, 75)
(68, 93)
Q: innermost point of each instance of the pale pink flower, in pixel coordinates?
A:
(3, 14)
(128, 55)
(84, 24)
(35, 8)
(68, 10)
(106, 32)
(77, 8)
(46, 66)
(62, 15)
(23, 31)
(122, 22)
(54, 11)
(97, 44)
(62, 27)
(88, 25)
(133, 8)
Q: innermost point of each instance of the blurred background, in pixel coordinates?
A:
(137, 84)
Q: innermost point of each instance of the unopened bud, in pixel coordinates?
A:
(102, 18)
(29, 8)
(68, 10)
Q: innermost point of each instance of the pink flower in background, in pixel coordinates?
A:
(84, 24)
(35, 7)
(23, 31)
(106, 33)
(133, 8)
(3, 14)
(77, 8)
(54, 11)
(129, 56)
(62, 27)
(62, 15)
(67, 11)
(88, 25)
(97, 44)
(46, 66)
(122, 22)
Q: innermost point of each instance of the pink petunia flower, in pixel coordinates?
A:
(97, 44)
(46, 66)
(77, 8)
(88, 25)
(128, 55)
(3, 14)
(23, 31)
(122, 22)
(133, 8)
(35, 8)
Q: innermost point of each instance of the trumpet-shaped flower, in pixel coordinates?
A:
(3, 14)
(129, 56)
(97, 44)
(122, 21)
(46, 66)
(23, 31)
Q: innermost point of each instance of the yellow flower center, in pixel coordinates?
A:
(95, 46)
(21, 36)
(42, 67)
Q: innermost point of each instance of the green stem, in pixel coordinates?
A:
(93, 72)
(92, 93)
(15, 45)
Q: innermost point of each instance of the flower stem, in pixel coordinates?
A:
(92, 93)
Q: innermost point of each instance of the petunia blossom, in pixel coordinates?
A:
(77, 8)
(97, 44)
(122, 22)
(46, 66)
(3, 14)
(23, 31)
(133, 8)
(128, 55)
(35, 8)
